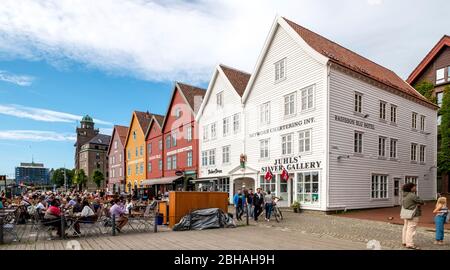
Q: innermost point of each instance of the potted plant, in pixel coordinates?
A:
(296, 206)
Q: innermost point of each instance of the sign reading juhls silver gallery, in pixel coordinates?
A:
(283, 127)
(291, 163)
(350, 121)
(214, 171)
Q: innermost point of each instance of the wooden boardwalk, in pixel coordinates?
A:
(242, 238)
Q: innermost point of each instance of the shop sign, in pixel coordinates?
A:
(215, 171)
(291, 163)
(354, 122)
(284, 127)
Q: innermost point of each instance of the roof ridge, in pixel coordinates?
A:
(343, 47)
(235, 69)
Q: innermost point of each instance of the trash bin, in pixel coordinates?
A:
(160, 219)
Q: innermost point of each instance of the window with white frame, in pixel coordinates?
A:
(358, 142)
(381, 146)
(358, 102)
(286, 144)
(212, 157)
(141, 168)
(307, 95)
(136, 169)
(112, 173)
(393, 113)
(264, 149)
(204, 158)
(174, 162)
(141, 150)
(167, 141)
(120, 172)
(160, 164)
(304, 141)
(219, 99)
(440, 75)
(413, 152)
(160, 145)
(113, 160)
(177, 113)
(174, 139)
(149, 168)
(226, 126)
(236, 123)
(379, 186)
(115, 144)
(189, 159)
(213, 131)
(226, 154)
(120, 158)
(411, 179)
(439, 97)
(189, 133)
(149, 148)
(439, 120)
(308, 187)
(136, 152)
(280, 70)
(289, 104)
(414, 120)
(382, 110)
(128, 154)
(422, 154)
(422, 123)
(205, 133)
(129, 171)
(393, 149)
(169, 163)
(264, 113)
(267, 185)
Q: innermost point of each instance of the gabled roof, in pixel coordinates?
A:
(189, 94)
(237, 78)
(143, 119)
(325, 51)
(443, 42)
(122, 132)
(100, 139)
(156, 119)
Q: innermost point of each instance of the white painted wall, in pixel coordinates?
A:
(350, 179)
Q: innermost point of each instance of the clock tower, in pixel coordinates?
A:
(84, 134)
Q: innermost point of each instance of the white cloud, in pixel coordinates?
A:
(44, 115)
(184, 40)
(35, 135)
(21, 80)
(106, 131)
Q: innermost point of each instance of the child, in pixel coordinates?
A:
(441, 212)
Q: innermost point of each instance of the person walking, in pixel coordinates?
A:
(250, 195)
(239, 203)
(258, 203)
(411, 201)
(441, 211)
(268, 203)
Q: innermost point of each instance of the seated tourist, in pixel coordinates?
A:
(86, 215)
(53, 216)
(119, 211)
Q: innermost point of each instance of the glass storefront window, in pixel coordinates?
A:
(308, 187)
(268, 185)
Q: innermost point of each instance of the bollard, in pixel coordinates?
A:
(155, 226)
(248, 213)
(113, 225)
(63, 225)
(1, 231)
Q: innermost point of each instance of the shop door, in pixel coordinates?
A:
(286, 191)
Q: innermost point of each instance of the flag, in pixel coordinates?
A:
(284, 175)
(268, 176)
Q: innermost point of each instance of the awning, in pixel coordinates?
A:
(205, 180)
(160, 181)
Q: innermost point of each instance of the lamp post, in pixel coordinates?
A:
(129, 187)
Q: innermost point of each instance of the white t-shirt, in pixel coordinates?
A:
(40, 206)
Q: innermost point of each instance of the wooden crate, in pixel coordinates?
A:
(182, 203)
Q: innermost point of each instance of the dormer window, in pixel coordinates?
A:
(178, 113)
(440, 75)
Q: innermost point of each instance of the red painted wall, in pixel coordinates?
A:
(156, 154)
(180, 125)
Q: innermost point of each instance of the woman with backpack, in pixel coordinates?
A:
(440, 219)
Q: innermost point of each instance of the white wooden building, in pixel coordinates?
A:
(221, 131)
(348, 131)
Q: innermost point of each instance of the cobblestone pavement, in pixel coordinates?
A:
(319, 224)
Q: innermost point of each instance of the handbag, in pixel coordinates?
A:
(407, 214)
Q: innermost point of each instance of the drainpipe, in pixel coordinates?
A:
(327, 156)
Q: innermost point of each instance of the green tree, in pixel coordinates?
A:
(98, 178)
(80, 178)
(58, 177)
(444, 128)
(426, 89)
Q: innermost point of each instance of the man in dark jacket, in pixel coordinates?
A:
(258, 202)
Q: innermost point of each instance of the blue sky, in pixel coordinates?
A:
(61, 59)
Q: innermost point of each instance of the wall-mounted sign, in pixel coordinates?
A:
(284, 127)
(214, 171)
(179, 173)
(154, 157)
(179, 150)
(291, 163)
(354, 122)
